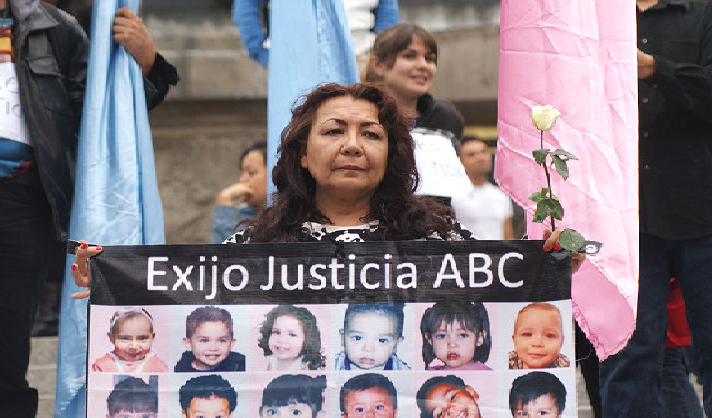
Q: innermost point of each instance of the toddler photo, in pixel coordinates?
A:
(447, 396)
(131, 398)
(290, 340)
(456, 336)
(132, 335)
(537, 394)
(207, 396)
(293, 395)
(368, 395)
(538, 336)
(208, 343)
(370, 337)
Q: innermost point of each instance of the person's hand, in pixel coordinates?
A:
(237, 191)
(80, 268)
(130, 32)
(552, 243)
(646, 65)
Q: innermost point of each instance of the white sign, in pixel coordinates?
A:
(440, 169)
(12, 119)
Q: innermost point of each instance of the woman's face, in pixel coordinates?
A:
(253, 173)
(347, 150)
(287, 338)
(412, 73)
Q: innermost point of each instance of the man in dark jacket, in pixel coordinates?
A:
(43, 57)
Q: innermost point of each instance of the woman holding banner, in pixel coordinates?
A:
(346, 173)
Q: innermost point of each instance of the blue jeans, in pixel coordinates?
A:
(27, 245)
(679, 397)
(631, 380)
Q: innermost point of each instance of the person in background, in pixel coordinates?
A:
(405, 59)
(482, 208)
(366, 19)
(675, 174)
(244, 199)
(45, 51)
(129, 31)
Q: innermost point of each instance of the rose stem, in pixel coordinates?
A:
(548, 180)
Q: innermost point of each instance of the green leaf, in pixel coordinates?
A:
(540, 155)
(560, 166)
(571, 240)
(548, 207)
(564, 154)
(537, 196)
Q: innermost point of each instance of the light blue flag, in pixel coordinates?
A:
(116, 199)
(310, 44)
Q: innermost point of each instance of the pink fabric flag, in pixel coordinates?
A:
(580, 57)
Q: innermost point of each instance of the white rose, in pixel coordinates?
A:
(544, 117)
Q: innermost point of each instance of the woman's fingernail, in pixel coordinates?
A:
(98, 248)
(84, 246)
(557, 247)
(74, 268)
(546, 248)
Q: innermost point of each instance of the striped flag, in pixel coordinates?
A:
(580, 57)
(116, 199)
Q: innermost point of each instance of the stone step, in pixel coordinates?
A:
(42, 373)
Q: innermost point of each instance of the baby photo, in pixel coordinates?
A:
(127, 397)
(289, 395)
(455, 336)
(130, 344)
(455, 394)
(372, 394)
(537, 394)
(288, 338)
(372, 336)
(209, 343)
(538, 336)
(206, 396)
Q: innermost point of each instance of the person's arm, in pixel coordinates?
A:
(158, 73)
(386, 15)
(77, 72)
(508, 214)
(226, 220)
(246, 16)
(689, 85)
(508, 231)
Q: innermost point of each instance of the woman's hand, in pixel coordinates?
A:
(80, 268)
(237, 191)
(552, 243)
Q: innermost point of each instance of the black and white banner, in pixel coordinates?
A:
(378, 329)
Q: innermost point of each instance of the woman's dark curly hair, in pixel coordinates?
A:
(311, 350)
(401, 214)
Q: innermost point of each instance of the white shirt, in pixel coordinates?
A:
(482, 210)
(361, 22)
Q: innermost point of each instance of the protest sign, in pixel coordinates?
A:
(320, 328)
(12, 120)
(441, 172)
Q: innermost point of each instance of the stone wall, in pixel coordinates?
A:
(219, 105)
